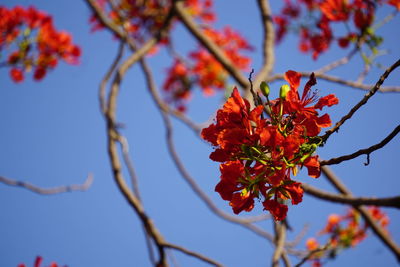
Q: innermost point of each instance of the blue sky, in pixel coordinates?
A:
(53, 134)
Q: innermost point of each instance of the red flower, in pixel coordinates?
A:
(259, 154)
(305, 115)
(17, 75)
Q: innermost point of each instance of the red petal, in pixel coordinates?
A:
(311, 82)
(220, 155)
(293, 78)
(295, 191)
(324, 121)
(210, 134)
(38, 261)
(241, 202)
(312, 164)
(328, 100)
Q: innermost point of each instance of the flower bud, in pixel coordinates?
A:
(283, 91)
(264, 88)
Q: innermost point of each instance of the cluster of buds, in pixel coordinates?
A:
(343, 232)
(316, 36)
(258, 154)
(33, 42)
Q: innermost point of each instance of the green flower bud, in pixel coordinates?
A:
(284, 90)
(264, 88)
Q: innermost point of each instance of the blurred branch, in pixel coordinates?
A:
(366, 151)
(393, 202)
(107, 76)
(195, 29)
(268, 41)
(193, 254)
(379, 232)
(49, 191)
(338, 80)
(363, 101)
(280, 237)
(342, 61)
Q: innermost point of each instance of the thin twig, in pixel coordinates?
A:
(337, 80)
(365, 151)
(193, 254)
(311, 254)
(107, 76)
(217, 52)
(49, 191)
(268, 41)
(363, 101)
(337, 63)
(393, 202)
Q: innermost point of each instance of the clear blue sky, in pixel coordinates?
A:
(52, 134)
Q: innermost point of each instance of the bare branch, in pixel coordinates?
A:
(379, 232)
(107, 76)
(366, 151)
(338, 80)
(363, 101)
(280, 237)
(193, 254)
(342, 61)
(393, 202)
(49, 191)
(114, 137)
(268, 41)
(194, 29)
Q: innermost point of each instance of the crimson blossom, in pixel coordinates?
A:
(258, 155)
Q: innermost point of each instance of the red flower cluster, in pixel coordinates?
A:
(38, 262)
(259, 154)
(344, 232)
(317, 36)
(204, 70)
(34, 42)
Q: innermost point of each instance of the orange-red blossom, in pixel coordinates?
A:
(258, 155)
(34, 42)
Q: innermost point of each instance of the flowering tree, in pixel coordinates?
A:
(267, 133)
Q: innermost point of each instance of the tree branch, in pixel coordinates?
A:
(363, 101)
(379, 232)
(49, 191)
(280, 237)
(193, 254)
(338, 80)
(393, 202)
(195, 30)
(366, 151)
(268, 41)
(342, 61)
